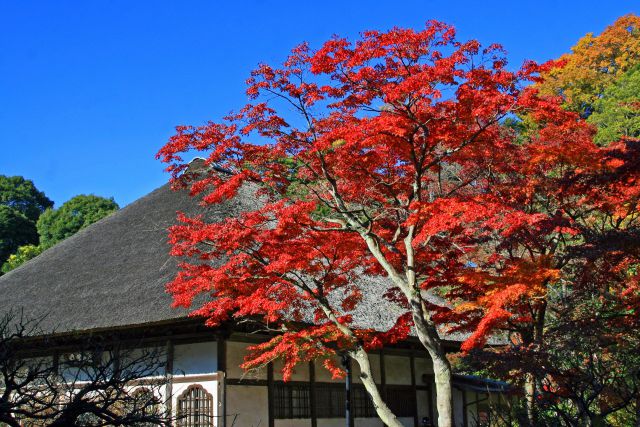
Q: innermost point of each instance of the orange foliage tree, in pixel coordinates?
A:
(581, 76)
(563, 285)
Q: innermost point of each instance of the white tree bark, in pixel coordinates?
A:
(366, 376)
(428, 336)
(425, 329)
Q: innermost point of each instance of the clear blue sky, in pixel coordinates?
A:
(90, 90)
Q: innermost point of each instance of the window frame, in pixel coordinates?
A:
(185, 420)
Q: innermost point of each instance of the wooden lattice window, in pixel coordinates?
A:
(401, 400)
(291, 400)
(362, 403)
(195, 407)
(330, 400)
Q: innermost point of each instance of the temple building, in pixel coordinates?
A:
(110, 279)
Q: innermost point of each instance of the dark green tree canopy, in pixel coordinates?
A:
(15, 230)
(21, 203)
(22, 195)
(55, 225)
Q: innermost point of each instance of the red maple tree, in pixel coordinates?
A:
(384, 157)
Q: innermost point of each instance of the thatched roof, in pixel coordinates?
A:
(114, 273)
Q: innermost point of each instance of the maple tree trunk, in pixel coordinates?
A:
(366, 376)
(530, 379)
(444, 393)
(428, 336)
(530, 396)
(383, 411)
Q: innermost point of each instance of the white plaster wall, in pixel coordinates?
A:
(292, 423)
(397, 369)
(236, 351)
(159, 391)
(250, 403)
(300, 373)
(143, 356)
(68, 372)
(323, 375)
(330, 422)
(195, 358)
(360, 422)
(143, 360)
(374, 360)
(196, 363)
(340, 422)
(423, 366)
(366, 422)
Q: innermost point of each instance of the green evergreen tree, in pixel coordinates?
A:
(617, 113)
(15, 230)
(22, 195)
(21, 204)
(77, 213)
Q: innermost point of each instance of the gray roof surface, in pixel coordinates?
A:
(110, 274)
(114, 272)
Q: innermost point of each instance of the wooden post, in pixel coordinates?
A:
(312, 394)
(270, 394)
(222, 369)
(465, 421)
(412, 363)
(346, 363)
(168, 371)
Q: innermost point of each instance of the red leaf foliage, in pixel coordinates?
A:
(390, 156)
